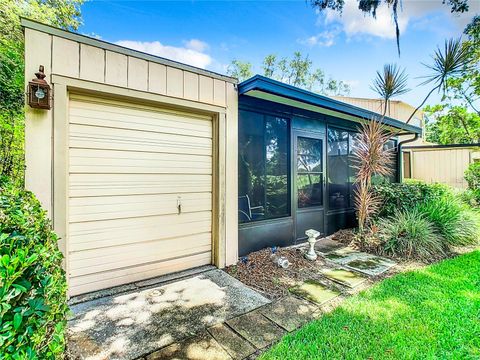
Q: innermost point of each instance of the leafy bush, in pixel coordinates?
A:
(33, 287)
(409, 234)
(422, 221)
(472, 176)
(404, 196)
(457, 224)
(471, 196)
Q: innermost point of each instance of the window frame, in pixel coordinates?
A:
(264, 115)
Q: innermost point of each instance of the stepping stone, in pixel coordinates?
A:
(326, 246)
(344, 277)
(236, 346)
(314, 291)
(370, 265)
(361, 262)
(289, 312)
(341, 255)
(256, 328)
(202, 347)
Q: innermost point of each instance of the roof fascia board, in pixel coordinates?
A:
(264, 84)
(449, 146)
(34, 25)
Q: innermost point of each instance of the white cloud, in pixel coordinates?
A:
(422, 15)
(191, 54)
(197, 45)
(354, 22)
(325, 38)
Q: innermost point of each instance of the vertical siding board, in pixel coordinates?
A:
(66, 57)
(137, 74)
(157, 78)
(219, 93)
(174, 82)
(231, 187)
(206, 89)
(116, 69)
(38, 123)
(190, 85)
(92, 63)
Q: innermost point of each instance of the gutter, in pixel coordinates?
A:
(399, 156)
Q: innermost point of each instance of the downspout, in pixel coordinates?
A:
(400, 157)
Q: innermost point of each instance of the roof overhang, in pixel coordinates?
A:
(268, 89)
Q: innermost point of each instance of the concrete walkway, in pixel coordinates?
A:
(212, 315)
(130, 325)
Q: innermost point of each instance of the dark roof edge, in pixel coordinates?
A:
(83, 39)
(275, 87)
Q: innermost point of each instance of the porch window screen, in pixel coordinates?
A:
(263, 167)
(341, 171)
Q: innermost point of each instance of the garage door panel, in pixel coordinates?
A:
(120, 207)
(83, 284)
(100, 230)
(95, 185)
(129, 165)
(200, 239)
(162, 123)
(86, 102)
(136, 230)
(133, 255)
(128, 162)
(94, 137)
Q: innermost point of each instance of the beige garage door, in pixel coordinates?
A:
(129, 169)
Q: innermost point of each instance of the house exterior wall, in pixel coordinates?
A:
(78, 64)
(258, 232)
(441, 165)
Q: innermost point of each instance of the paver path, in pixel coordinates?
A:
(248, 335)
(249, 328)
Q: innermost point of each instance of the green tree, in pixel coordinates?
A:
(297, 71)
(465, 88)
(60, 13)
(370, 7)
(452, 125)
(240, 69)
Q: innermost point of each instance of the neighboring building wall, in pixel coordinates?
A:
(396, 109)
(440, 165)
(77, 63)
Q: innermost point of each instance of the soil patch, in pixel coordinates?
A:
(258, 271)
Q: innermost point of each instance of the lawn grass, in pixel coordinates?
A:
(432, 313)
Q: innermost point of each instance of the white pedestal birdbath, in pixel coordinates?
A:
(312, 239)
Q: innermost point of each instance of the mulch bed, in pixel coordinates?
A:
(345, 236)
(258, 271)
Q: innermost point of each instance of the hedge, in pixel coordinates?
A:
(33, 304)
(405, 196)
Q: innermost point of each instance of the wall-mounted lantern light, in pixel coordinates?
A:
(39, 92)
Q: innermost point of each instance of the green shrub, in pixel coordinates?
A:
(470, 197)
(410, 235)
(33, 287)
(472, 176)
(404, 196)
(453, 220)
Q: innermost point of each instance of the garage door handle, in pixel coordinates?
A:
(179, 205)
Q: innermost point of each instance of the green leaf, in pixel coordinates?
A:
(17, 320)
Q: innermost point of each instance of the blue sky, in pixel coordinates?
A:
(209, 34)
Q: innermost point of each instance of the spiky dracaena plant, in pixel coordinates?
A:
(372, 157)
